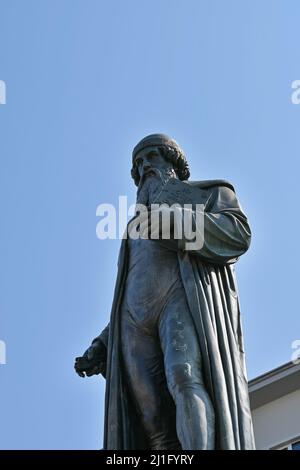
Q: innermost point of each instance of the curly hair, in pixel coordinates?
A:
(175, 156)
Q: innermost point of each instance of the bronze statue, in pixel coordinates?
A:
(173, 353)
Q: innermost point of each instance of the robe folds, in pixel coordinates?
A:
(208, 278)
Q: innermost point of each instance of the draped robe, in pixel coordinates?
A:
(209, 281)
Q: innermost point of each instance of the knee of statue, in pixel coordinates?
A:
(179, 376)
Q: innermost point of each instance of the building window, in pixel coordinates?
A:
(291, 446)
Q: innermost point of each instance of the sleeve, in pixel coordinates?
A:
(103, 337)
(224, 232)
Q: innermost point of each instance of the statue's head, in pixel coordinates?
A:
(161, 152)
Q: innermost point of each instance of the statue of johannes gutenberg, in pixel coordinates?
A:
(173, 353)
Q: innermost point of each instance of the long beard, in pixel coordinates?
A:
(151, 185)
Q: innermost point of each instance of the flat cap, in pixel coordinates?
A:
(153, 140)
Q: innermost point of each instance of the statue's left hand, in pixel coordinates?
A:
(153, 225)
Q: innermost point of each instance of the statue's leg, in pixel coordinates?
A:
(144, 370)
(183, 368)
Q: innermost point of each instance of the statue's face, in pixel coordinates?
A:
(150, 158)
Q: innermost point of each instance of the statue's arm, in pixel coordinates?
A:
(227, 233)
(103, 336)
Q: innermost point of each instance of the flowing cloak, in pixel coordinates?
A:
(209, 281)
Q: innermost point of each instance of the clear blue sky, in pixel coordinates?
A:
(85, 81)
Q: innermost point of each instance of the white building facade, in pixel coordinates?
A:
(275, 405)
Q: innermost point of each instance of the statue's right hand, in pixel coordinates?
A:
(93, 361)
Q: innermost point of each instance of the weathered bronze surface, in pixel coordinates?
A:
(173, 353)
